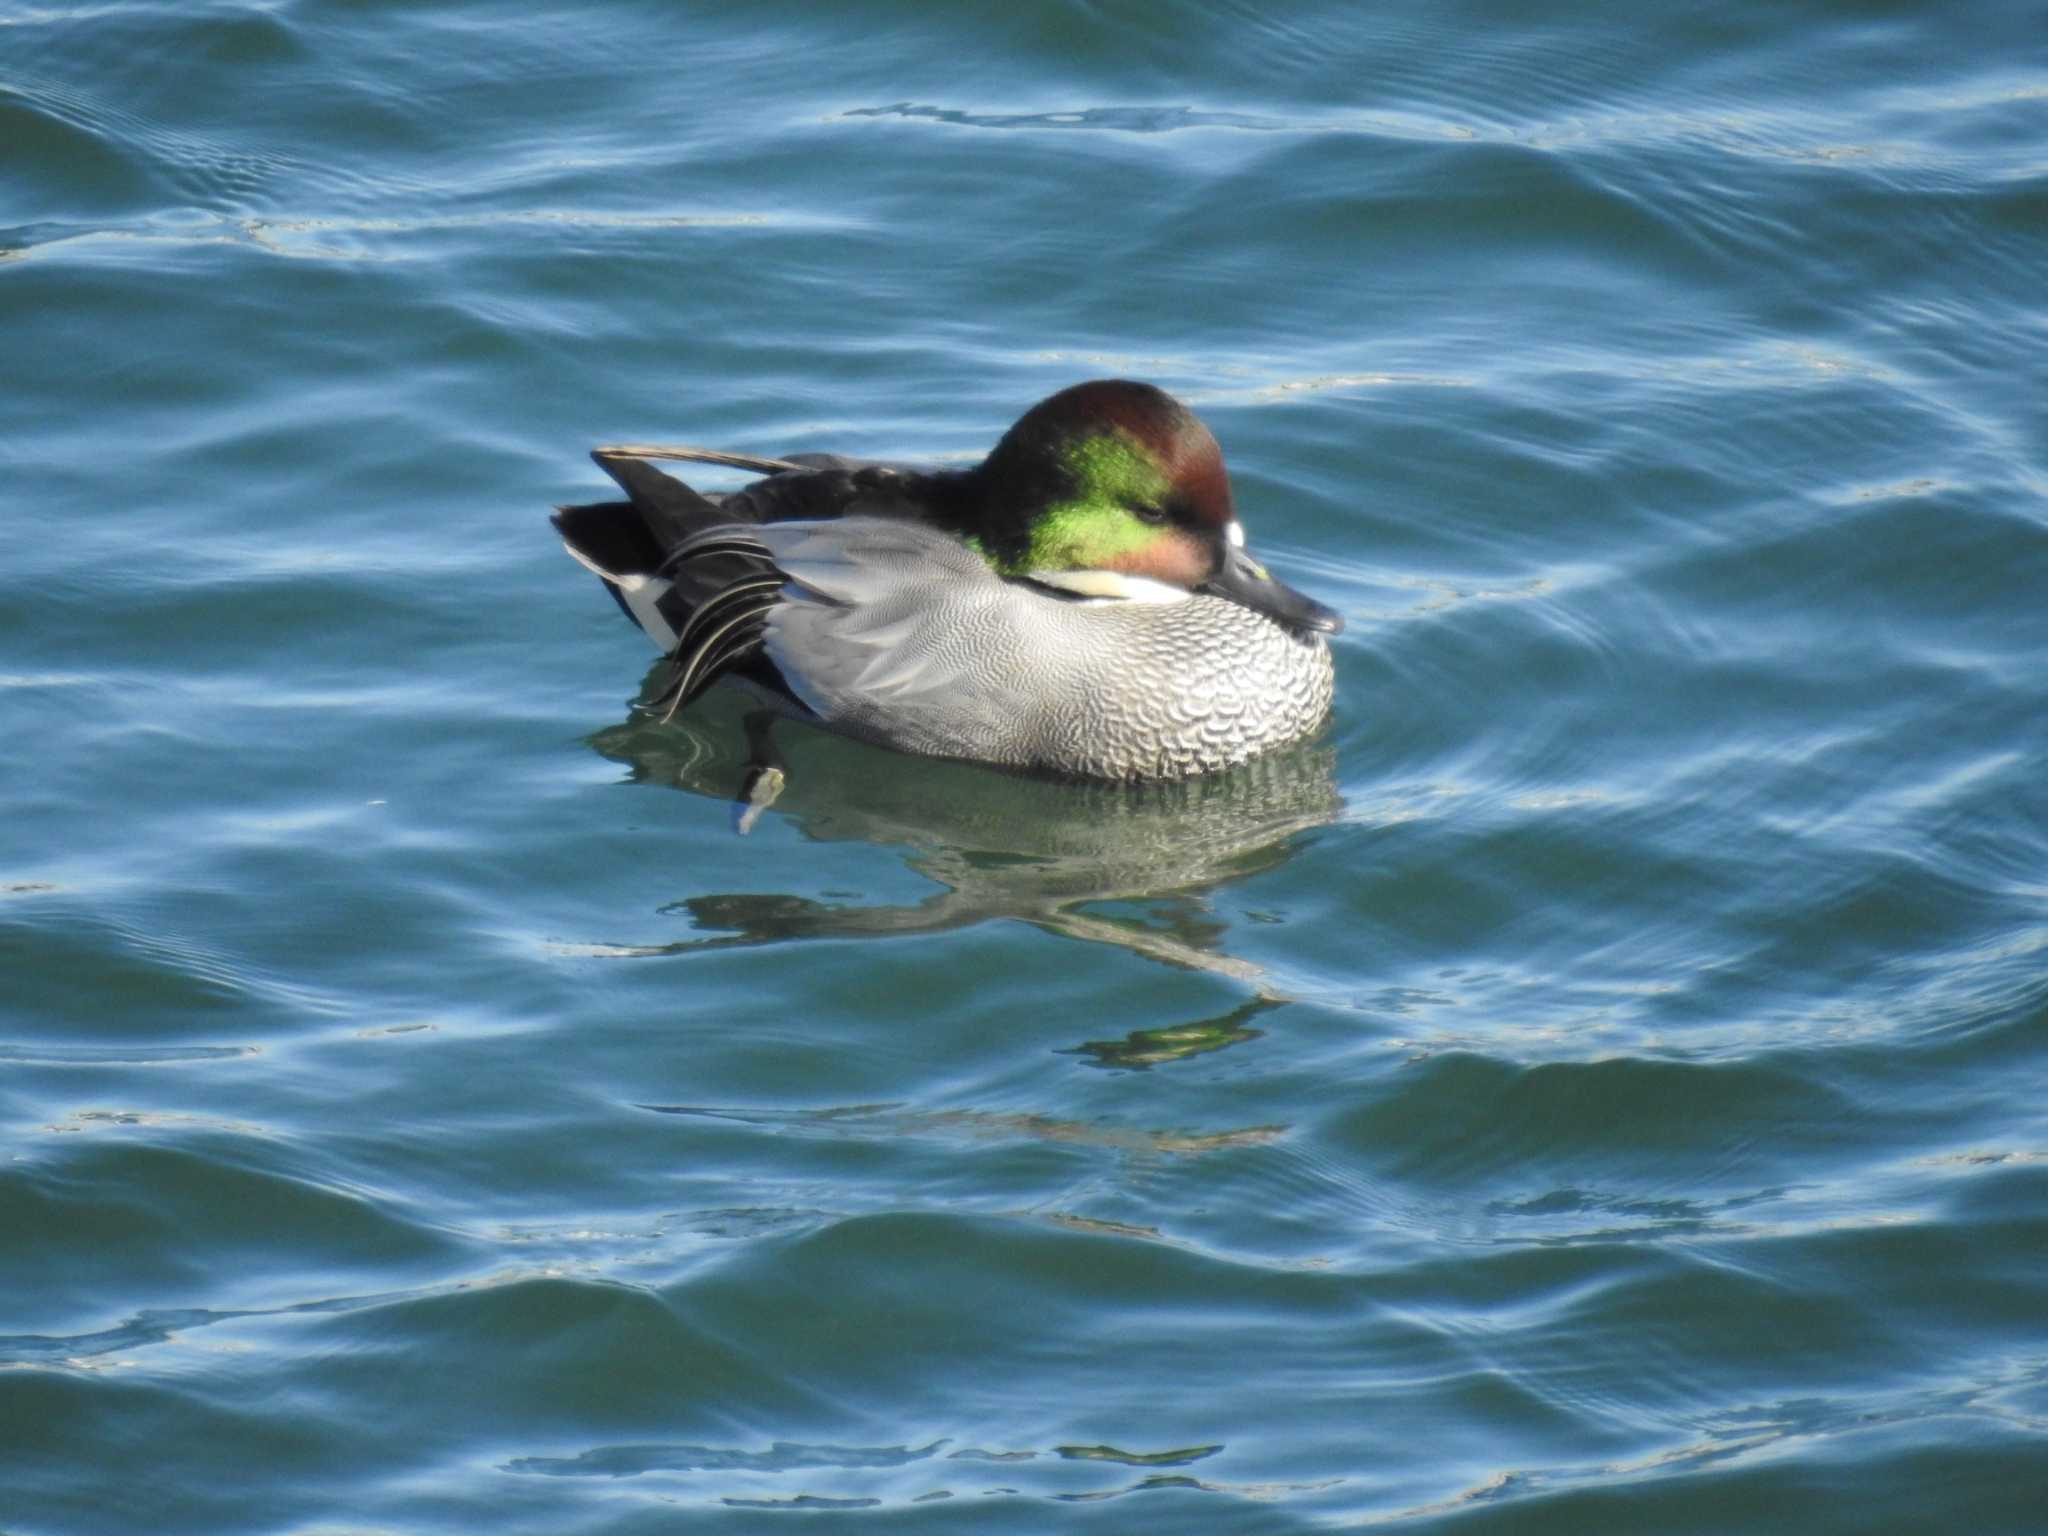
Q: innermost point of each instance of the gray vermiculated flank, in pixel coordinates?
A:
(898, 634)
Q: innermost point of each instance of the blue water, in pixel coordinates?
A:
(1594, 1086)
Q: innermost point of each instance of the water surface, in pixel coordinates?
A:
(1594, 1086)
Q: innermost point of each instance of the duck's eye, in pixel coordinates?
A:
(1152, 515)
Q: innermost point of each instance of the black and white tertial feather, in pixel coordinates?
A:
(693, 570)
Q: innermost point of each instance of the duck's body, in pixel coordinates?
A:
(1080, 604)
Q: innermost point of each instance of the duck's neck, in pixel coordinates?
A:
(992, 512)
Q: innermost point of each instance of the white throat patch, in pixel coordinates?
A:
(1113, 586)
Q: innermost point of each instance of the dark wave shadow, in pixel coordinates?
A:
(1140, 119)
(782, 1456)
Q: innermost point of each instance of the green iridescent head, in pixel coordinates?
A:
(1110, 475)
(1119, 481)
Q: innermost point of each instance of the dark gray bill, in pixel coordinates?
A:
(1244, 580)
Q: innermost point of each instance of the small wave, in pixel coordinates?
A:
(120, 1055)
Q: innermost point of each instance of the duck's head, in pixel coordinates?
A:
(1112, 485)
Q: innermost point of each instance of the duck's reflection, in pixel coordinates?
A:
(1149, 1047)
(1133, 866)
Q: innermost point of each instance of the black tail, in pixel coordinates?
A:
(712, 591)
(633, 538)
(671, 511)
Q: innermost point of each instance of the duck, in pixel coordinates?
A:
(1081, 604)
